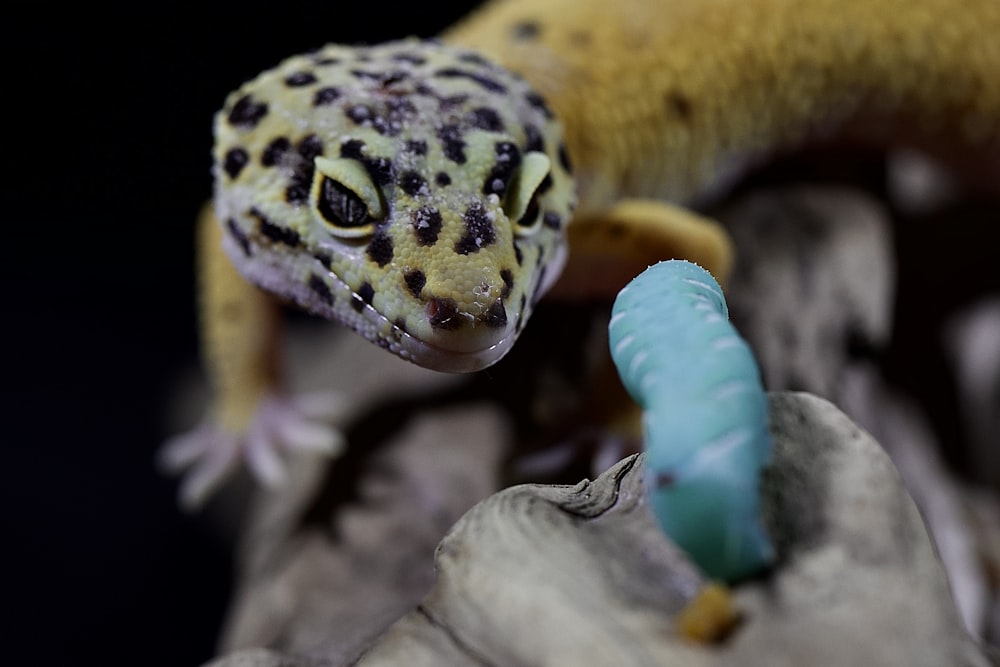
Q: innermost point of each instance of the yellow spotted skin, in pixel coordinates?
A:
(420, 192)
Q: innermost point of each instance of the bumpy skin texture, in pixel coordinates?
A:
(420, 194)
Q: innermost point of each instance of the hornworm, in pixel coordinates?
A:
(704, 414)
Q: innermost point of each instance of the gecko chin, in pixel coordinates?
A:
(466, 351)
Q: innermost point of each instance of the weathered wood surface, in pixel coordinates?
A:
(541, 575)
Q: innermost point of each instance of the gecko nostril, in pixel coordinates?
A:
(496, 316)
(443, 314)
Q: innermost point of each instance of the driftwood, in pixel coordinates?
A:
(541, 575)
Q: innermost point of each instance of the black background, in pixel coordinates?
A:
(107, 133)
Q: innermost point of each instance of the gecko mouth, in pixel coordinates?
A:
(456, 351)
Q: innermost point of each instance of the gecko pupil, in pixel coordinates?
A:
(341, 207)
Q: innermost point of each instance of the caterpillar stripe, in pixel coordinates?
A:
(704, 415)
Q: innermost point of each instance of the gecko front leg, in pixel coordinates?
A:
(250, 419)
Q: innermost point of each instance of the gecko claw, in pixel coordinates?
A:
(209, 454)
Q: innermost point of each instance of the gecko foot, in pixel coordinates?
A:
(210, 453)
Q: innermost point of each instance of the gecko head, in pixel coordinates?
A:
(415, 192)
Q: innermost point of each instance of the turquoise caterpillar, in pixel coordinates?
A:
(704, 415)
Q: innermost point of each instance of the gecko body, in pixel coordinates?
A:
(419, 192)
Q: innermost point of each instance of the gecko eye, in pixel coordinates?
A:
(345, 199)
(522, 195)
(342, 209)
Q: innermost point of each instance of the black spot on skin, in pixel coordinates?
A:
(484, 81)
(416, 146)
(359, 113)
(388, 123)
(479, 231)
(326, 60)
(299, 79)
(412, 183)
(274, 151)
(450, 102)
(363, 74)
(240, 238)
(246, 113)
(321, 289)
(427, 225)
(379, 169)
(409, 58)
(234, 161)
(518, 255)
(297, 191)
(486, 119)
(678, 105)
(380, 248)
(564, 158)
(352, 149)
(274, 232)
(231, 311)
(357, 303)
(496, 316)
(393, 77)
(310, 147)
(508, 283)
(424, 89)
(536, 100)
(475, 59)
(615, 230)
(508, 159)
(443, 314)
(399, 108)
(533, 139)
(400, 324)
(452, 143)
(300, 181)
(384, 79)
(442, 179)
(324, 259)
(415, 281)
(525, 30)
(326, 96)
(552, 220)
(524, 302)
(366, 292)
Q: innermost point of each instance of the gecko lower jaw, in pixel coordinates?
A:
(453, 353)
